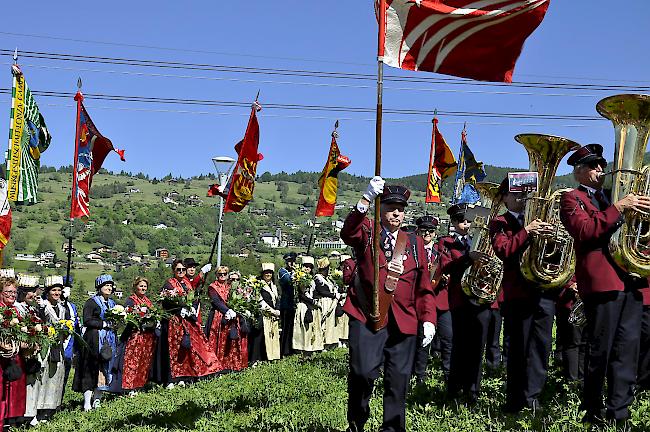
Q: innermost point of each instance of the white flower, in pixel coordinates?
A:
(23, 329)
(14, 321)
(118, 310)
(38, 328)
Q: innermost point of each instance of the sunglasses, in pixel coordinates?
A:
(180, 269)
(234, 279)
(595, 164)
(221, 274)
(428, 231)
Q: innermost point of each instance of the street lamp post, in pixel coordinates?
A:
(223, 165)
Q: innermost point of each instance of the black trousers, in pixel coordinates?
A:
(470, 327)
(369, 351)
(493, 347)
(286, 337)
(613, 334)
(572, 346)
(643, 375)
(444, 334)
(529, 325)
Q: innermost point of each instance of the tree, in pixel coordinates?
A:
(46, 244)
(19, 239)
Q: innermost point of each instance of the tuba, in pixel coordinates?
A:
(482, 281)
(630, 114)
(549, 261)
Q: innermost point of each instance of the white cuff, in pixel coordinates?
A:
(361, 207)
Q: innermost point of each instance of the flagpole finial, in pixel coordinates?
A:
(335, 133)
(258, 95)
(79, 83)
(256, 106)
(16, 56)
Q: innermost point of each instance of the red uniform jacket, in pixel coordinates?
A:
(591, 230)
(454, 261)
(413, 300)
(510, 240)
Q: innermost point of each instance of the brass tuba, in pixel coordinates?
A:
(630, 114)
(482, 281)
(549, 261)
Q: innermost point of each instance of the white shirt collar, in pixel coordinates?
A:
(515, 214)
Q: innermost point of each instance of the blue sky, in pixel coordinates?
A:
(578, 42)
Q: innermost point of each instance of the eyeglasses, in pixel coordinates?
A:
(234, 279)
(221, 274)
(428, 231)
(9, 293)
(180, 269)
(595, 164)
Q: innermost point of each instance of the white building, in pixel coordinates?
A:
(271, 240)
(336, 244)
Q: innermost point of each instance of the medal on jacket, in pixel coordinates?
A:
(388, 247)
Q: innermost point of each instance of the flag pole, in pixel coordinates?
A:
(79, 98)
(380, 90)
(335, 135)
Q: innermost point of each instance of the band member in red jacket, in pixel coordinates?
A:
(643, 374)
(393, 345)
(612, 302)
(527, 310)
(469, 318)
(426, 229)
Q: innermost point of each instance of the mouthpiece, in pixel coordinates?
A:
(603, 174)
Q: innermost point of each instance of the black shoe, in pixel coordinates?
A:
(511, 408)
(595, 418)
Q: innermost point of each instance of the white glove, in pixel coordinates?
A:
(230, 314)
(39, 301)
(66, 292)
(206, 268)
(185, 313)
(375, 188)
(429, 333)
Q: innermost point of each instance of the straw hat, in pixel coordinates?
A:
(323, 262)
(268, 267)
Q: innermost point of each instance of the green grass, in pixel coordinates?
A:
(298, 394)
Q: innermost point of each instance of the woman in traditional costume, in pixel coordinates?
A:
(53, 311)
(326, 296)
(264, 341)
(26, 304)
(96, 358)
(183, 352)
(307, 330)
(227, 331)
(14, 387)
(137, 346)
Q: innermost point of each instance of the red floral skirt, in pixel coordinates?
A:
(138, 358)
(196, 361)
(231, 353)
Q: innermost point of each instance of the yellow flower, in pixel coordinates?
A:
(51, 331)
(68, 324)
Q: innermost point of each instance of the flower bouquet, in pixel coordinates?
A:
(302, 282)
(337, 277)
(173, 301)
(244, 298)
(11, 333)
(143, 317)
(116, 316)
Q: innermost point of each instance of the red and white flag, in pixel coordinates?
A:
(477, 39)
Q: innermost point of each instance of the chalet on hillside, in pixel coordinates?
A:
(271, 240)
(162, 253)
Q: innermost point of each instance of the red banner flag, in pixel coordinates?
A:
(328, 181)
(464, 38)
(91, 148)
(240, 189)
(442, 164)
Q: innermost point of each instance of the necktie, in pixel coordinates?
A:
(388, 246)
(603, 203)
(520, 218)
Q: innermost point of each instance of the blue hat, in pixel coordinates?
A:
(103, 280)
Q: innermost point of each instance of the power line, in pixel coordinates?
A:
(303, 117)
(302, 107)
(131, 62)
(305, 83)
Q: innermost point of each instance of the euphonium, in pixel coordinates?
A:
(482, 281)
(549, 261)
(630, 114)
